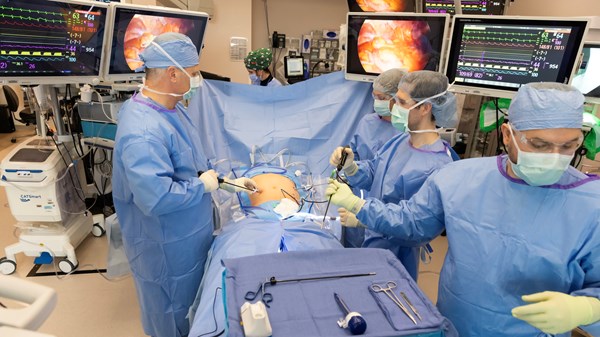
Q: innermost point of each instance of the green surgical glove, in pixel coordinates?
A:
(349, 219)
(555, 312)
(342, 196)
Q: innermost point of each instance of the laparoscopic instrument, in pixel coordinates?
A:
(336, 174)
(352, 320)
(222, 181)
(388, 289)
(268, 297)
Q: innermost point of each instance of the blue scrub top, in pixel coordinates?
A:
(396, 173)
(505, 239)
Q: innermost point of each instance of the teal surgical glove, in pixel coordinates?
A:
(246, 182)
(349, 219)
(350, 166)
(341, 195)
(555, 312)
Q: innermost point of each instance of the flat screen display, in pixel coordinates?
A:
(381, 5)
(135, 27)
(294, 67)
(50, 41)
(378, 42)
(480, 7)
(503, 53)
(587, 78)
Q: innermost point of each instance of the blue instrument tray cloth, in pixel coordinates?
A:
(308, 308)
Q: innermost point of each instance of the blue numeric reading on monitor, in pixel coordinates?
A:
(46, 38)
(506, 55)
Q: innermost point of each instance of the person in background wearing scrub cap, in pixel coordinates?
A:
(523, 227)
(257, 63)
(372, 131)
(403, 164)
(164, 208)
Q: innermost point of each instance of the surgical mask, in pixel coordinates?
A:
(254, 78)
(399, 117)
(539, 169)
(195, 81)
(382, 107)
(402, 115)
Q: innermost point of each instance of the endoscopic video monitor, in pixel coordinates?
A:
(381, 41)
(587, 77)
(44, 41)
(495, 55)
(476, 7)
(135, 26)
(381, 5)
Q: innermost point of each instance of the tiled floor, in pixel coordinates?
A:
(90, 306)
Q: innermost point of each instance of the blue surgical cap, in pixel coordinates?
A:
(424, 84)
(546, 105)
(387, 81)
(177, 45)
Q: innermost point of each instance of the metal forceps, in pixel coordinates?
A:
(388, 289)
(266, 298)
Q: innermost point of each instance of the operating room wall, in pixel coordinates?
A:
(295, 18)
(554, 8)
(232, 18)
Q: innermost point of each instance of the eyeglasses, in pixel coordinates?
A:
(382, 97)
(401, 101)
(539, 145)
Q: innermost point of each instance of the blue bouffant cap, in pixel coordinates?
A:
(546, 105)
(178, 46)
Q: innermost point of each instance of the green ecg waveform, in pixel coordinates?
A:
(34, 11)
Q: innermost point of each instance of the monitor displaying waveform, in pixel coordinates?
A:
(479, 7)
(503, 53)
(381, 5)
(135, 27)
(587, 78)
(381, 41)
(40, 39)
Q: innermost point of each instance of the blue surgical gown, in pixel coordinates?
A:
(164, 212)
(505, 239)
(273, 83)
(370, 135)
(396, 173)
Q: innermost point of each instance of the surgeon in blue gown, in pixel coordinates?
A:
(401, 166)
(522, 228)
(164, 208)
(372, 131)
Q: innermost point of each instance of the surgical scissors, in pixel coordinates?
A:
(266, 297)
(388, 289)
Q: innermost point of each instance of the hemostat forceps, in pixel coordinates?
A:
(388, 289)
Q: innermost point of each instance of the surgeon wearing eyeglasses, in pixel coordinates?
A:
(402, 165)
(523, 228)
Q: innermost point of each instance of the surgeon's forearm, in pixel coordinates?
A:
(363, 177)
(397, 221)
(171, 197)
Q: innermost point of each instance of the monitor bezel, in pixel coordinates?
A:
(66, 79)
(506, 92)
(370, 78)
(133, 76)
(595, 44)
